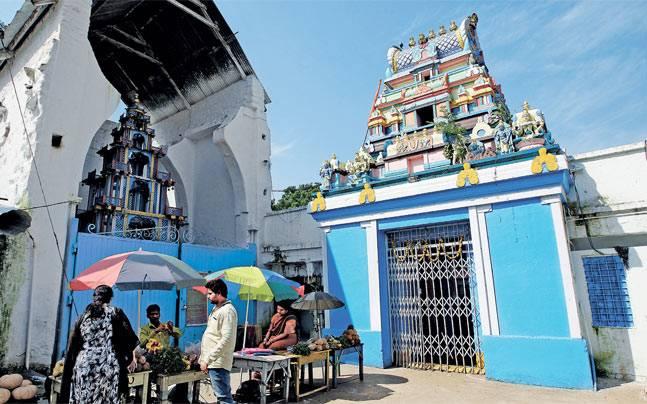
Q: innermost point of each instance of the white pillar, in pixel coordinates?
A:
(483, 269)
(373, 274)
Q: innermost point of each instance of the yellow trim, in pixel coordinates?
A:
(318, 204)
(461, 41)
(467, 174)
(367, 195)
(544, 158)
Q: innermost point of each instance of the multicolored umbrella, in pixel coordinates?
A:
(257, 284)
(138, 270)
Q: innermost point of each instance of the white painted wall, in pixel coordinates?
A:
(295, 232)
(69, 97)
(613, 194)
(220, 152)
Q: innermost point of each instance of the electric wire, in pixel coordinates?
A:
(40, 182)
(581, 214)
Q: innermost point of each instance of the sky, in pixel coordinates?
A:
(584, 64)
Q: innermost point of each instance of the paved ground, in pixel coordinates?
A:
(408, 386)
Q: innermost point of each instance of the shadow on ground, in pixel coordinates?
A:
(375, 387)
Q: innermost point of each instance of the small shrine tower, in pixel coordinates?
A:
(130, 192)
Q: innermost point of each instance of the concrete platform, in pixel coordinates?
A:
(407, 386)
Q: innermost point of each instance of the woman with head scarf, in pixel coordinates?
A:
(283, 328)
(99, 353)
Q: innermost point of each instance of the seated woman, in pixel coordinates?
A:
(283, 328)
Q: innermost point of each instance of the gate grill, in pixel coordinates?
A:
(432, 295)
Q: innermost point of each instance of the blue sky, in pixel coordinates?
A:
(583, 63)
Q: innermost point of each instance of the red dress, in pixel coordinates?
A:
(278, 325)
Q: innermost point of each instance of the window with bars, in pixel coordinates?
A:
(608, 294)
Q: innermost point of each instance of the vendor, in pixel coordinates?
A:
(156, 330)
(283, 328)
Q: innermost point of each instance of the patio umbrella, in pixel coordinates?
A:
(257, 284)
(137, 270)
(316, 301)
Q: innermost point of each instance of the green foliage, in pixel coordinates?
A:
(167, 361)
(454, 135)
(296, 196)
(448, 151)
(301, 348)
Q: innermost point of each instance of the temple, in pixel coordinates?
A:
(439, 107)
(131, 192)
(445, 234)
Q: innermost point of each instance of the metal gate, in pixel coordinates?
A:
(432, 299)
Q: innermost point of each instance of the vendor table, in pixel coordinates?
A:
(136, 380)
(299, 361)
(192, 377)
(266, 365)
(335, 361)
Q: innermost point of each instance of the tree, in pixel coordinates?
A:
(296, 196)
(454, 136)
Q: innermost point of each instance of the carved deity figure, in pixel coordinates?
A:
(326, 173)
(334, 163)
(503, 138)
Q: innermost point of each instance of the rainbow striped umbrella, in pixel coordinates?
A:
(257, 284)
(138, 270)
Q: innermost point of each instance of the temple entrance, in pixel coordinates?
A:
(432, 299)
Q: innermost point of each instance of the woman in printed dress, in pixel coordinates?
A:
(99, 354)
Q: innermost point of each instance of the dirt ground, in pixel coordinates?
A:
(407, 386)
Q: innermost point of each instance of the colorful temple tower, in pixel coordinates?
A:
(449, 222)
(130, 193)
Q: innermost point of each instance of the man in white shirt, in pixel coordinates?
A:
(219, 341)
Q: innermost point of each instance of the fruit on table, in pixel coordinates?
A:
(11, 381)
(5, 395)
(24, 393)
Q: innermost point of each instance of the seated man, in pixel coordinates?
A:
(156, 330)
(283, 328)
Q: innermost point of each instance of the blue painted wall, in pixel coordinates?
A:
(348, 277)
(534, 346)
(210, 259)
(543, 361)
(91, 248)
(86, 249)
(525, 264)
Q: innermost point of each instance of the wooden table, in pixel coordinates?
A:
(135, 380)
(266, 365)
(335, 361)
(299, 361)
(191, 377)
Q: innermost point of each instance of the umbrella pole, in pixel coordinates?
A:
(245, 332)
(246, 314)
(139, 309)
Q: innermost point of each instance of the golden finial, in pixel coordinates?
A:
(412, 42)
(453, 26)
(526, 106)
(432, 34)
(422, 39)
(441, 30)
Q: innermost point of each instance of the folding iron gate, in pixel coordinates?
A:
(432, 298)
